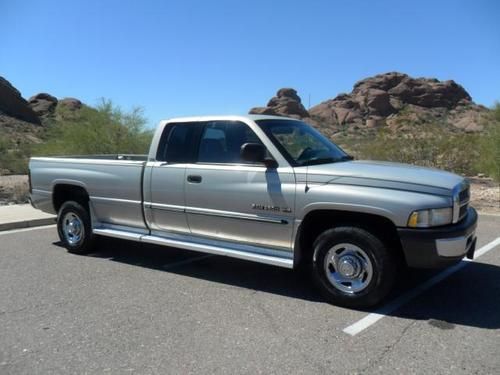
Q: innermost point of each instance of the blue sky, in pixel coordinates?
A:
(221, 57)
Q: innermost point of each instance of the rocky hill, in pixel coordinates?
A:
(36, 111)
(24, 123)
(391, 99)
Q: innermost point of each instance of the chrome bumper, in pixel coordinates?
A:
(455, 247)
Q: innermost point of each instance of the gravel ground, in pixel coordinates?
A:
(485, 192)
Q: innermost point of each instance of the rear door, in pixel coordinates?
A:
(230, 199)
(177, 148)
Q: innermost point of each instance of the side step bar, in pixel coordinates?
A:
(210, 248)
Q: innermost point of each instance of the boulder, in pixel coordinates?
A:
(43, 104)
(384, 95)
(262, 111)
(378, 102)
(14, 105)
(71, 104)
(285, 103)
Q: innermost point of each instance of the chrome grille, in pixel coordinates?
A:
(461, 199)
(464, 195)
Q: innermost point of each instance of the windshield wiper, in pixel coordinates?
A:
(346, 158)
(318, 161)
(326, 160)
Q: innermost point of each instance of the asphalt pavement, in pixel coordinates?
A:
(131, 308)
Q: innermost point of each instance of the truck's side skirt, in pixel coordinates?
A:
(210, 246)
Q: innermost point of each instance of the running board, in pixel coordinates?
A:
(209, 248)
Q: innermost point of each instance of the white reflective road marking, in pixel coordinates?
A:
(186, 261)
(374, 317)
(26, 229)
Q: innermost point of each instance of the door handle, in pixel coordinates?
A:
(194, 179)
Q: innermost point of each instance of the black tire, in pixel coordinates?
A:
(76, 244)
(376, 264)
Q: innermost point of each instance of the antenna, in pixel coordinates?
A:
(307, 184)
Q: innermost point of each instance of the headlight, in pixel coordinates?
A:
(431, 218)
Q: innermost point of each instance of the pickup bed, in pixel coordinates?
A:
(265, 189)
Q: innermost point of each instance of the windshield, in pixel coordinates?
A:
(301, 144)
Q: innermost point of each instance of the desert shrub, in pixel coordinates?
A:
(105, 129)
(489, 146)
(13, 157)
(430, 145)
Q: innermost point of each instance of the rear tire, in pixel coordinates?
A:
(74, 228)
(352, 267)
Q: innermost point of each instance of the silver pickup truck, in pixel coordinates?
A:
(266, 189)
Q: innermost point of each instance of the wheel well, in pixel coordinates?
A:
(64, 192)
(317, 222)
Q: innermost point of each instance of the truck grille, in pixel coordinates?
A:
(464, 195)
(463, 201)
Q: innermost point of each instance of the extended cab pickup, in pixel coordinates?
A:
(265, 189)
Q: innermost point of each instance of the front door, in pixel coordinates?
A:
(230, 199)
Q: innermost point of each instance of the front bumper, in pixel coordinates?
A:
(442, 246)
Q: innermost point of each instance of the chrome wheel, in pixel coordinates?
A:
(72, 227)
(348, 268)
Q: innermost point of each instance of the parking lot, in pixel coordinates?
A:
(145, 309)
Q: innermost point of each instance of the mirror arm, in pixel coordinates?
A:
(270, 163)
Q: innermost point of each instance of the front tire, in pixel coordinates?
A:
(74, 228)
(352, 267)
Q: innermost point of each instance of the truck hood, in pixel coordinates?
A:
(381, 174)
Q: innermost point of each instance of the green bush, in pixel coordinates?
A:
(13, 157)
(105, 129)
(431, 145)
(489, 146)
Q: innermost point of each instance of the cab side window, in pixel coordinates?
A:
(178, 143)
(221, 142)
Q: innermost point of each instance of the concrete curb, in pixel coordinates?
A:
(27, 223)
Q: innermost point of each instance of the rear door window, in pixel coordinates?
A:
(179, 142)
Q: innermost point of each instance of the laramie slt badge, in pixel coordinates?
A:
(264, 207)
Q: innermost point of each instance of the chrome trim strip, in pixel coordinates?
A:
(228, 167)
(121, 234)
(463, 203)
(137, 163)
(218, 213)
(165, 207)
(40, 191)
(234, 215)
(114, 200)
(122, 228)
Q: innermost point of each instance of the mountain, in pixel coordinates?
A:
(393, 100)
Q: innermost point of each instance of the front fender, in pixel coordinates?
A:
(395, 205)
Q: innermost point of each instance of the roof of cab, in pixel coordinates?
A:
(228, 118)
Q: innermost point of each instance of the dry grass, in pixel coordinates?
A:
(14, 189)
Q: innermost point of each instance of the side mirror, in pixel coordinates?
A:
(256, 153)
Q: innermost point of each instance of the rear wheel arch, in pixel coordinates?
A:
(64, 192)
(318, 221)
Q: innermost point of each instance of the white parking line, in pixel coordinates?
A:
(374, 317)
(26, 229)
(186, 261)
